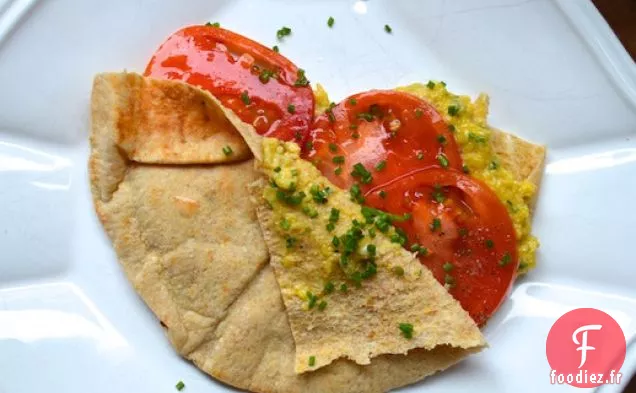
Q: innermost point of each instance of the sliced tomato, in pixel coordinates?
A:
(261, 86)
(462, 231)
(387, 133)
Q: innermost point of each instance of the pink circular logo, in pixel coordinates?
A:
(585, 348)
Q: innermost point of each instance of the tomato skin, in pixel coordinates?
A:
(476, 234)
(229, 65)
(405, 133)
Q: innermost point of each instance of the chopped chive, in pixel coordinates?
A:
(338, 171)
(312, 361)
(309, 145)
(275, 48)
(266, 75)
(290, 241)
(277, 169)
(418, 113)
(301, 79)
(380, 165)
(343, 287)
(388, 29)
(215, 24)
(356, 194)
(365, 116)
(330, 227)
(291, 108)
(355, 135)
(451, 128)
(319, 195)
(334, 215)
(284, 224)
(245, 98)
(415, 247)
(493, 165)
(430, 85)
(371, 249)
(443, 161)
(449, 280)
(438, 194)
(283, 32)
(311, 300)
(505, 260)
(441, 139)
(465, 169)
(447, 267)
(333, 147)
(478, 138)
(338, 160)
(453, 109)
(330, 21)
(353, 101)
(359, 171)
(382, 194)
(436, 224)
(322, 305)
(398, 271)
(489, 243)
(227, 150)
(311, 213)
(335, 241)
(329, 287)
(329, 112)
(406, 329)
(179, 386)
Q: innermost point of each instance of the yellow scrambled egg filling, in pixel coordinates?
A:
(469, 125)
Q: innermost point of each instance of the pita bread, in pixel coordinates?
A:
(209, 282)
(167, 122)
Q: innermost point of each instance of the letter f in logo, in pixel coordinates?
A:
(584, 347)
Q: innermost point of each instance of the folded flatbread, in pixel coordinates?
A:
(188, 239)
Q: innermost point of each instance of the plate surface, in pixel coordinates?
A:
(69, 320)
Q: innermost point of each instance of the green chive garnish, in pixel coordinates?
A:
(453, 109)
(443, 160)
(227, 150)
(245, 98)
(283, 32)
(505, 260)
(436, 224)
(406, 329)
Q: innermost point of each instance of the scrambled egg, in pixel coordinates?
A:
(467, 120)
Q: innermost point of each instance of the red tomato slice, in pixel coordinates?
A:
(388, 133)
(466, 230)
(262, 87)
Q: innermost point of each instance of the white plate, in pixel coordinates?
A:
(69, 320)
